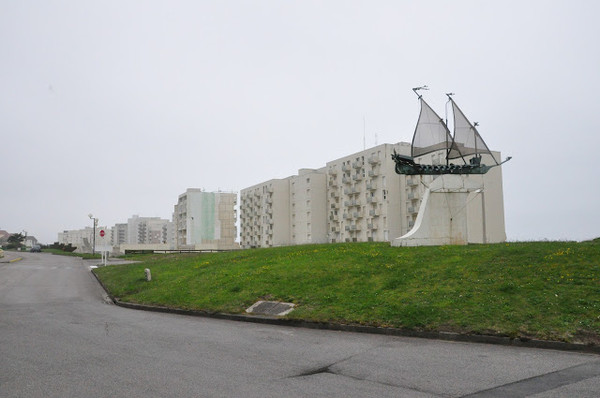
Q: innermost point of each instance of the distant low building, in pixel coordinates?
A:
(30, 241)
(84, 240)
(4, 236)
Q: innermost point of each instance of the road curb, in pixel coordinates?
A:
(432, 335)
(7, 261)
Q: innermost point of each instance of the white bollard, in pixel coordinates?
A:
(148, 275)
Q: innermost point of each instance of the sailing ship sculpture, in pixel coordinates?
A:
(432, 135)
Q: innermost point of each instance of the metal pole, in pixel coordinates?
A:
(484, 227)
(94, 238)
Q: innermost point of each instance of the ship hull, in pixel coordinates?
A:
(405, 165)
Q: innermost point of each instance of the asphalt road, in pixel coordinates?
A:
(60, 338)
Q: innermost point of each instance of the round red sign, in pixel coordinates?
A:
(102, 233)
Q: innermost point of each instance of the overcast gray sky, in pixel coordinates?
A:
(117, 107)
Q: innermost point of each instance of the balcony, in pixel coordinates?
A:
(374, 159)
(357, 214)
(372, 226)
(346, 180)
(413, 210)
(346, 167)
(350, 191)
(357, 177)
(333, 182)
(356, 202)
(411, 181)
(332, 171)
(373, 173)
(357, 165)
(374, 212)
(371, 186)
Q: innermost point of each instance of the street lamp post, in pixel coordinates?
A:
(93, 236)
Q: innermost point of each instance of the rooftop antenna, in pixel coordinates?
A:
(420, 88)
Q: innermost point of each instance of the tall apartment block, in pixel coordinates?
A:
(357, 198)
(286, 211)
(205, 220)
(364, 199)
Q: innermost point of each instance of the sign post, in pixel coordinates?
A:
(104, 252)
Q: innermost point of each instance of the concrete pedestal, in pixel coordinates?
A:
(442, 217)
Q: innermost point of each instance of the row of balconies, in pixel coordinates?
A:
(353, 215)
(352, 203)
(371, 184)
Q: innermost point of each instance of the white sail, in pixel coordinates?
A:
(431, 133)
(467, 140)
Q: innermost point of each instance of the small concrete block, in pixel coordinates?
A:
(148, 274)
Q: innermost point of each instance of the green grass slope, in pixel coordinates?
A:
(545, 290)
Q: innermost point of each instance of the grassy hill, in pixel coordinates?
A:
(545, 290)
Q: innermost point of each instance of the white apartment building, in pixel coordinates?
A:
(149, 231)
(308, 207)
(205, 220)
(260, 206)
(365, 200)
(287, 211)
(119, 234)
